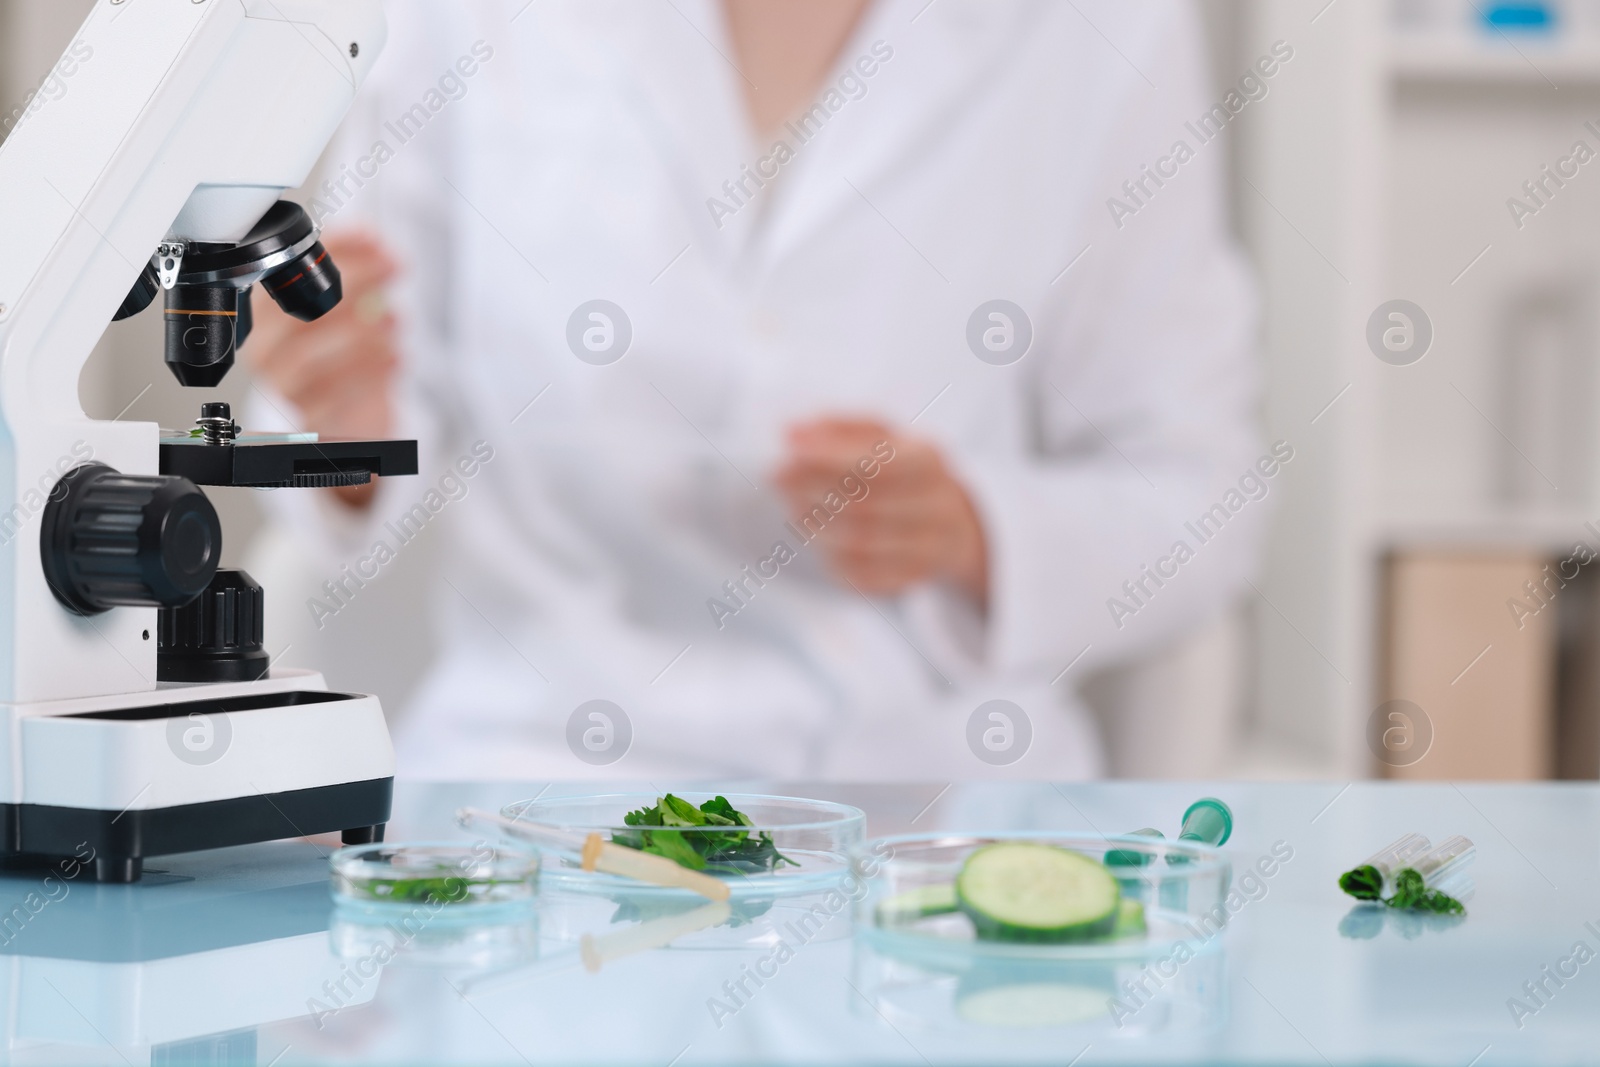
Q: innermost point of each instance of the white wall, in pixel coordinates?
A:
(1308, 192)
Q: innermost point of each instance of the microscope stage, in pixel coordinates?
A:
(286, 462)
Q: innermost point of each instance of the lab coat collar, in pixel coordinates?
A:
(941, 51)
(691, 95)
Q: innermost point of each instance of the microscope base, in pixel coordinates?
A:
(187, 768)
(121, 840)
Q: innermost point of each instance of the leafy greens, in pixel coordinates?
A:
(1410, 891)
(1363, 883)
(707, 838)
(447, 890)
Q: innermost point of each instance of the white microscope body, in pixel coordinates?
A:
(179, 131)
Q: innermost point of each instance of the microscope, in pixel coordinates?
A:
(139, 715)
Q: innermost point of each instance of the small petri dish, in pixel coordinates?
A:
(908, 905)
(430, 881)
(509, 939)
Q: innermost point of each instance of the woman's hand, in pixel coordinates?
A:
(339, 371)
(915, 522)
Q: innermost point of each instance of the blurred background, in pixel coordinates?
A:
(1424, 608)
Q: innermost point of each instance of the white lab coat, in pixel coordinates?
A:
(580, 162)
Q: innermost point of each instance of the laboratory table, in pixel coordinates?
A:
(234, 957)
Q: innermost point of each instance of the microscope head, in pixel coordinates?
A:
(208, 289)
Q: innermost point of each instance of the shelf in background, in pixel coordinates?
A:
(1553, 533)
(1531, 61)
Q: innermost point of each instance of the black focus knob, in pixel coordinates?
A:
(217, 636)
(110, 539)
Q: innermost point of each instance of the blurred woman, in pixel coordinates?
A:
(794, 386)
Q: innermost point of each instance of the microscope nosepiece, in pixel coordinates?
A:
(308, 286)
(208, 309)
(205, 326)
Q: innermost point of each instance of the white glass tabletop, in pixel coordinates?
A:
(237, 956)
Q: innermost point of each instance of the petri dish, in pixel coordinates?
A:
(815, 839)
(509, 937)
(907, 909)
(432, 882)
(1038, 1002)
(807, 896)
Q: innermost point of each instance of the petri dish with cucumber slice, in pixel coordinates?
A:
(1042, 894)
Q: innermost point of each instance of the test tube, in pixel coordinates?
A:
(1399, 853)
(1459, 885)
(1127, 857)
(1444, 870)
(1402, 852)
(1445, 862)
(1207, 821)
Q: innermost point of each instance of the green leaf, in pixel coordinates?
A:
(650, 816)
(1441, 903)
(629, 838)
(671, 844)
(696, 838)
(675, 811)
(1363, 883)
(718, 805)
(448, 890)
(1408, 888)
(1411, 893)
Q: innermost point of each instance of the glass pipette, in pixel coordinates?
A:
(594, 853)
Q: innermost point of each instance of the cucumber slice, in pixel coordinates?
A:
(1021, 891)
(1130, 919)
(916, 904)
